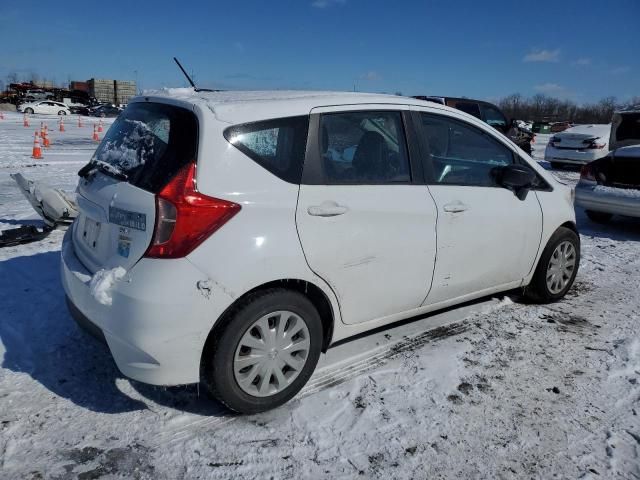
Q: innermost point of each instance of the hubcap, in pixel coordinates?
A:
(561, 267)
(271, 353)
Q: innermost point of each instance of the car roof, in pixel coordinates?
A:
(244, 106)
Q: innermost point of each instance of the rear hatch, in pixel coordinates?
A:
(584, 137)
(142, 151)
(625, 129)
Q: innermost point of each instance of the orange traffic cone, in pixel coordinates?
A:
(96, 138)
(25, 120)
(45, 138)
(80, 122)
(100, 126)
(61, 124)
(37, 153)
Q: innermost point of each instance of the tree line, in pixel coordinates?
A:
(545, 108)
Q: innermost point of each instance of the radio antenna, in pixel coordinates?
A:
(191, 81)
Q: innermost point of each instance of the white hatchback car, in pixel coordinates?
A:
(44, 106)
(229, 238)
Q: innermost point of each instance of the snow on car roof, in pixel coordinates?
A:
(237, 106)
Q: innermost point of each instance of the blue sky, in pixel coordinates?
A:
(583, 50)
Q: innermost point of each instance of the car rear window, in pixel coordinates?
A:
(149, 143)
(277, 145)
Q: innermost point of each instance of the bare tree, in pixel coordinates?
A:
(544, 108)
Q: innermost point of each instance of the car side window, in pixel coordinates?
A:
(364, 148)
(277, 145)
(461, 154)
(494, 117)
(470, 108)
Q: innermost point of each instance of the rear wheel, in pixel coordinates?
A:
(556, 165)
(598, 217)
(62, 112)
(557, 268)
(266, 351)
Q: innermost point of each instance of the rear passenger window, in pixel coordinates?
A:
(364, 148)
(277, 145)
(462, 154)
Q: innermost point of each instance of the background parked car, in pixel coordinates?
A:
(105, 111)
(80, 110)
(611, 185)
(558, 127)
(578, 145)
(488, 113)
(44, 107)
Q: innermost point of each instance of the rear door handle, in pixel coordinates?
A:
(455, 207)
(327, 209)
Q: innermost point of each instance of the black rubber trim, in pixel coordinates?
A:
(84, 323)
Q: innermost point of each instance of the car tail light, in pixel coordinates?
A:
(185, 217)
(592, 143)
(552, 140)
(586, 173)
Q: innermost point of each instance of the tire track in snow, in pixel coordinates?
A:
(324, 379)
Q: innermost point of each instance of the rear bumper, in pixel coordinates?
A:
(157, 323)
(606, 202)
(574, 157)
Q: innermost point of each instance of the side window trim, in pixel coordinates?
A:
(312, 173)
(426, 151)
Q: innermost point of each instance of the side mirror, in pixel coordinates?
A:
(516, 178)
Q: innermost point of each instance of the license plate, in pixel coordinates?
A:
(125, 218)
(91, 232)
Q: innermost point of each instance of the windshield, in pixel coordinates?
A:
(148, 143)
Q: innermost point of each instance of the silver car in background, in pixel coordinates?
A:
(611, 185)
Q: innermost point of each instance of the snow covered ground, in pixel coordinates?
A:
(493, 389)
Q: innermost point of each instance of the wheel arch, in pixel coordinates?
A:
(571, 226)
(315, 294)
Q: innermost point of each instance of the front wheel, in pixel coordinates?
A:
(265, 352)
(557, 268)
(556, 165)
(598, 217)
(29, 111)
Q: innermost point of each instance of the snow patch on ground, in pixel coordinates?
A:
(102, 283)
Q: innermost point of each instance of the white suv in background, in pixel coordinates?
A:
(229, 238)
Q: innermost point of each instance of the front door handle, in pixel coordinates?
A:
(327, 209)
(455, 207)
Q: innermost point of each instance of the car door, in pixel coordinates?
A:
(365, 220)
(487, 237)
(40, 107)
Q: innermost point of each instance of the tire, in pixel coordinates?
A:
(29, 111)
(62, 112)
(598, 217)
(556, 165)
(542, 288)
(241, 386)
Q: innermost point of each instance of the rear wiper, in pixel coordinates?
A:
(104, 167)
(85, 171)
